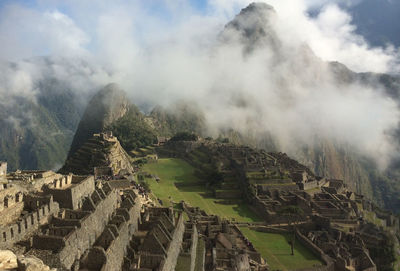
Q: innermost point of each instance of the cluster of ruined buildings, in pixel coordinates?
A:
(78, 223)
(335, 222)
(91, 222)
(100, 221)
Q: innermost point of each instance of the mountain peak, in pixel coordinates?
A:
(258, 7)
(253, 27)
(106, 106)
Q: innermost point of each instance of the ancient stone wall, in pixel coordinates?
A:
(3, 169)
(11, 203)
(329, 263)
(27, 224)
(116, 250)
(366, 263)
(101, 205)
(174, 247)
(34, 179)
(308, 185)
(189, 245)
(72, 196)
(193, 249)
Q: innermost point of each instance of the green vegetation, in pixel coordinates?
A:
(37, 135)
(223, 139)
(178, 181)
(275, 248)
(184, 136)
(371, 217)
(293, 213)
(132, 131)
(177, 118)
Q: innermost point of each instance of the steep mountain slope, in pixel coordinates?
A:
(36, 133)
(133, 130)
(254, 29)
(110, 110)
(105, 107)
(181, 117)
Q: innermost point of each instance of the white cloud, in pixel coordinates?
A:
(163, 60)
(26, 32)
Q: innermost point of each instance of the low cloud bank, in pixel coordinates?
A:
(277, 83)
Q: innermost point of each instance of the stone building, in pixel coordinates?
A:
(33, 180)
(158, 241)
(71, 191)
(3, 170)
(28, 214)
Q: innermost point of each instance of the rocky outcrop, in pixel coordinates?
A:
(253, 27)
(31, 263)
(8, 260)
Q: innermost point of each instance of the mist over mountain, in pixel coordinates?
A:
(105, 107)
(264, 77)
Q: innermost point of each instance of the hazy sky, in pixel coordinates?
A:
(55, 27)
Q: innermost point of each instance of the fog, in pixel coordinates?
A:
(162, 52)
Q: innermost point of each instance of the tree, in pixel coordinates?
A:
(184, 136)
(293, 213)
(132, 130)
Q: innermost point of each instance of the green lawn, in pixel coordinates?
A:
(276, 250)
(176, 173)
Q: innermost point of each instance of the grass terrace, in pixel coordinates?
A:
(276, 250)
(178, 181)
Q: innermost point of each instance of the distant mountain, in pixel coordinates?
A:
(36, 132)
(179, 117)
(110, 110)
(253, 28)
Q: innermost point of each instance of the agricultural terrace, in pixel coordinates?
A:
(177, 180)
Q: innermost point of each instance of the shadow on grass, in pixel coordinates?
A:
(244, 211)
(195, 188)
(228, 202)
(184, 178)
(188, 187)
(300, 249)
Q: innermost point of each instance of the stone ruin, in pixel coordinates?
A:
(225, 247)
(102, 153)
(335, 222)
(3, 170)
(86, 222)
(73, 222)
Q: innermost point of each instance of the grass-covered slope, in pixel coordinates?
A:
(179, 181)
